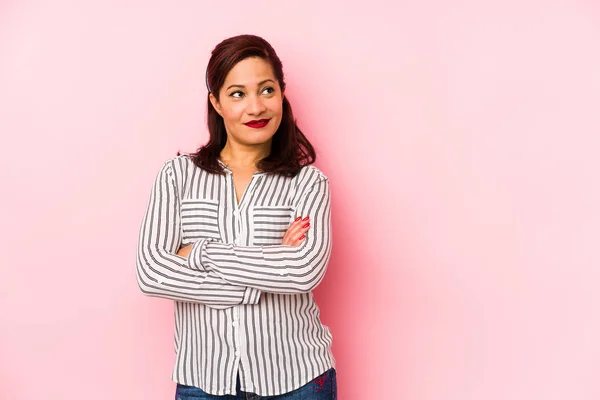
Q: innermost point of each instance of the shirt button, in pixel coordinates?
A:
(237, 353)
(237, 242)
(234, 323)
(236, 213)
(283, 272)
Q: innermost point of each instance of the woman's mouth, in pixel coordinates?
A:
(257, 123)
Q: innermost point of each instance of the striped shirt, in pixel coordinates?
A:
(243, 301)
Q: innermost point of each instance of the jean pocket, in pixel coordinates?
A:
(323, 387)
(184, 392)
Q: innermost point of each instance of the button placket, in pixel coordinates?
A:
(238, 223)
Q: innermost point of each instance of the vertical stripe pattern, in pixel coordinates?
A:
(243, 302)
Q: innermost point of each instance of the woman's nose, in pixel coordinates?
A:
(255, 105)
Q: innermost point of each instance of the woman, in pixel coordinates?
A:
(238, 234)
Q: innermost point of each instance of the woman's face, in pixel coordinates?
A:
(250, 102)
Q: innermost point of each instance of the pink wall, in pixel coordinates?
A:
(462, 146)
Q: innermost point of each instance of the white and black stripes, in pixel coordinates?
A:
(243, 301)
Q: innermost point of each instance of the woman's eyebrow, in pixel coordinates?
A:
(242, 86)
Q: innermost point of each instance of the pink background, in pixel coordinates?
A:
(462, 145)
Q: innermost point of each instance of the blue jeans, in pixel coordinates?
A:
(323, 387)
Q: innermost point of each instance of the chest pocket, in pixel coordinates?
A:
(270, 224)
(199, 219)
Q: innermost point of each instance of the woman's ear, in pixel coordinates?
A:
(215, 104)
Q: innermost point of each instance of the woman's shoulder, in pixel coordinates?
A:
(180, 163)
(180, 168)
(180, 159)
(311, 173)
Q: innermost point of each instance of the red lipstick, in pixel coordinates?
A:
(257, 123)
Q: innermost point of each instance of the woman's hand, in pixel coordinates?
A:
(296, 233)
(185, 251)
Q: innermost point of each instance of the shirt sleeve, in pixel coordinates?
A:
(279, 268)
(161, 272)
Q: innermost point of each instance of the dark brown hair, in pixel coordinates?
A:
(290, 149)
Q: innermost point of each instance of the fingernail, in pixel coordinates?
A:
(306, 225)
(305, 218)
(297, 219)
(302, 237)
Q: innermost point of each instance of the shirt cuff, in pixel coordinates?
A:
(251, 296)
(195, 256)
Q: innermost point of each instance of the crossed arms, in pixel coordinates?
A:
(222, 275)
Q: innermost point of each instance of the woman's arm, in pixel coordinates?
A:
(276, 269)
(163, 273)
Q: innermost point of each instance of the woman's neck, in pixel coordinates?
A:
(243, 156)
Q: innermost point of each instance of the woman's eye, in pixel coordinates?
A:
(268, 90)
(236, 95)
